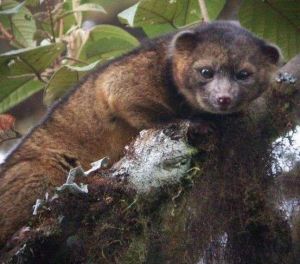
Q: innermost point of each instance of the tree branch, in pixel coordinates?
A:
(203, 10)
(8, 36)
(51, 21)
(5, 33)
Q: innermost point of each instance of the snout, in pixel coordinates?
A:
(224, 101)
(223, 94)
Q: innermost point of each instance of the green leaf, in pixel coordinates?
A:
(72, 12)
(9, 84)
(24, 27)
(64, 78)
(13, 10)
(153, 31)
(69, 20)
(169, 14)
(275, 20)
(15, 90)
(106, 42)
(19, 20)
(89, 7)
(29, 60)
(83, 68)
(214, 7)
(127, 16)
(78, 16)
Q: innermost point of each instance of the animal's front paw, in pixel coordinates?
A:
(199, 131)
(194, 130)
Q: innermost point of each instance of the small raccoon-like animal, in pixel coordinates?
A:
(217, 68)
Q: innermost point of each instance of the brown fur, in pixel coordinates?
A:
(105, 112)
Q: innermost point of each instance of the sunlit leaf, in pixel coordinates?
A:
(127, 16)
(106, 42)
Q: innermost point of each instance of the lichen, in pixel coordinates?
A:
(158, 160)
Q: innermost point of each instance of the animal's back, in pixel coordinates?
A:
(87, 125)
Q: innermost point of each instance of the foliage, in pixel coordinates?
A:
(46, 44)
(275, 20)
(161, 16)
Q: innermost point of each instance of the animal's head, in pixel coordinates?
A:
(221, 67)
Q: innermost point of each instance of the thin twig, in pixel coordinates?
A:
(11, 25)
(61, 28)
(51, 21)
(9, 36)
(203, 10)
(5, 33)
(15, 136)
(7, 139)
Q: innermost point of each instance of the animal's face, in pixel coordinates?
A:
(222, 68)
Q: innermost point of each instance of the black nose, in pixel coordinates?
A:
(224, 101)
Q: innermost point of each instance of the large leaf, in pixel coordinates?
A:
(29, 60)
(24, 27)
(106, 42)
(8, 85)
(17, 89)
(167, 15)
(275, 20)
(20, 21)
(64, 78)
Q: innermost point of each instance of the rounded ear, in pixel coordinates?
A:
(183, 41)
(272, 52)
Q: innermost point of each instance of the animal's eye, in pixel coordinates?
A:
(207, 73)
(242, 75)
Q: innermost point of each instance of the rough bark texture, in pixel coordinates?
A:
(225, 209)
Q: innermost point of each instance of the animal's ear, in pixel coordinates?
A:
(272, 52)
(183, 41)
